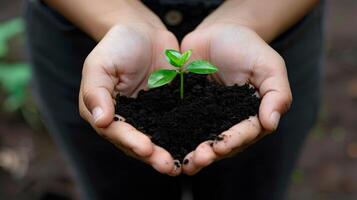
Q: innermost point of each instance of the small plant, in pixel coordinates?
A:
(164, 76)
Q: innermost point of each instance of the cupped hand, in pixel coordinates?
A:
(121, 63)
(242, 57)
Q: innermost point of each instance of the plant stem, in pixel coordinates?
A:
(181, 87)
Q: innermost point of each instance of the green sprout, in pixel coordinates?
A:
(164, 76)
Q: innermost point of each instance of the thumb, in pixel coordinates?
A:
(276, 95)
(197, 41)
(95, 99)
(273, 105)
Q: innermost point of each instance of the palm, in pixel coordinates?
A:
(122, 62)
(130, 56)
(242, 57)
(238, 53)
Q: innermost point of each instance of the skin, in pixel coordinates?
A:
(131, 40)
(251, 60)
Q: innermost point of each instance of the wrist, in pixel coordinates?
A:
(98, 17)
(236, 13)
(132, 14)
(267, 21)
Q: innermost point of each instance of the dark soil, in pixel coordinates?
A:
(180, 125)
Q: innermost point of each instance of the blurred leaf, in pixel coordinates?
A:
(14, 101)
(9, 29)
(14, 79)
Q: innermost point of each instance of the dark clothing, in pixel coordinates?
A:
(57, 51)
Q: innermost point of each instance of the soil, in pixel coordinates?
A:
(180, 125)
(326, 169)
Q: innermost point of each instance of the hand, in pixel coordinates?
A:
(122, 62)
(241, 56)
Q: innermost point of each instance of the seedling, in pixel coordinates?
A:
(176, 59)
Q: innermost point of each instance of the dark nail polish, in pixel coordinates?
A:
(177, 164)
(219, 138)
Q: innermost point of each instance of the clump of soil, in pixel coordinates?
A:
(180, 125)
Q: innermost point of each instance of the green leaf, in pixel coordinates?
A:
(14, 79)
(14, 76)
(7, 30)
(161, 77)
(185, 57)
(201, 67)
(174, 57)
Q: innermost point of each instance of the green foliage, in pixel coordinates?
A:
(7, 30)
(178, 60)
(161, 77)
(14, 79)
(201, 67)
(185, 57)
(173, 57)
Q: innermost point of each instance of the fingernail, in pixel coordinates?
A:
(119, 118)
(177, 164)
(97, 113)
(275, 117)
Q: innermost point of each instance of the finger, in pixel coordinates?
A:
(245, 146)
(162, 161)
(204, 154)
(197, 42)
(237, 136)
(138, 145)
(123, 134)
(273, 84)
(97, 88)
(201, 157)
(188, 166)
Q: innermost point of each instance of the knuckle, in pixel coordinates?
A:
(255, 129)
(221, 149)
(82, 109)
(82, 112)
(280, 61)
(87, 97)
(143, 150)
(287, 101)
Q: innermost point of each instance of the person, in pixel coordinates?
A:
(98, 48)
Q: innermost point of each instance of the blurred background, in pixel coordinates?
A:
(32, 168)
